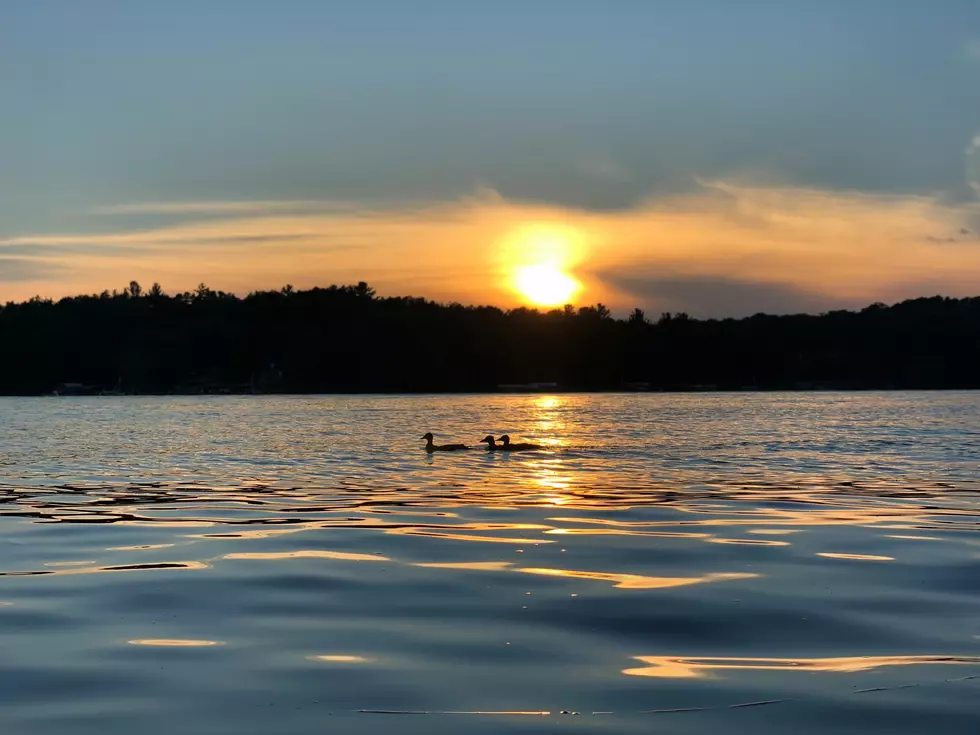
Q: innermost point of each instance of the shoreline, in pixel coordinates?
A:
(555, 392)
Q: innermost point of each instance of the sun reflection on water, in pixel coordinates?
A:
(175, 642)
(857, 557)
(622, 581)
(694, 668)
(658, 520)
(638, 581)
(307, 554)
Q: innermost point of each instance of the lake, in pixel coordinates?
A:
(689, 563)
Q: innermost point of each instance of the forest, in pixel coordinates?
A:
(346, 339)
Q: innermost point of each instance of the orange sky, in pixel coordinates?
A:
(811, 246)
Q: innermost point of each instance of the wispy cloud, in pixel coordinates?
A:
(225, 207)
(973, 164)
(27, 270)
(758, 246)
(719, 296)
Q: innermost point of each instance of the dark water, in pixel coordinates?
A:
(299, 565)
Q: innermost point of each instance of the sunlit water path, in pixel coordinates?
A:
(747, 563)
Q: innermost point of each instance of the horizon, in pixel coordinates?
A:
(618, 314)
(691, 158)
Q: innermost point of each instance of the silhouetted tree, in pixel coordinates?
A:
(347, 339)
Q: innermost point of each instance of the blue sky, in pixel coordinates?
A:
(583, 106)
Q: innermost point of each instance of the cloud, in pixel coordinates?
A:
(211, 233)
(706, 296)
(973, 164)
(261, 207)
(605, 169)
(26, 270)
(729, 247)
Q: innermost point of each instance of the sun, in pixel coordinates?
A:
(546, 285)
(539, 259)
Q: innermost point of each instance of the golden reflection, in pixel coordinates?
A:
(636, 581)
(161, 523)
(701, 668)
(915, 538)
(859, 557)
(479, 566)
(340, 658)
(457, 531)
(547, 421)
(465, 536)
(68, 563)
(819, 512)
(622, 581)
(545, 402)
(176, 642)
(550, 477)
(611, 522)
(748, 542)
(165, 565)
(306, 554)
(624, 532)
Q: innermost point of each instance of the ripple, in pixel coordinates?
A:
(174, 642)
(477, 566)
(169, 565)
(739, 530)
(307, 554)
(639, 582)
(683, 668)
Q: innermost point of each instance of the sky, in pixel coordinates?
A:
(704, 156)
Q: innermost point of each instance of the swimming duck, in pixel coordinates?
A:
(430, 447)
(508, 447)
(491, 442)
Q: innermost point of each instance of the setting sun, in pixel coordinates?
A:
(540, 260)
(545, 285)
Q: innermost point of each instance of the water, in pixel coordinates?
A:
(299, 565)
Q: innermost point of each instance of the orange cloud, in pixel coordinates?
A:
(839, 246)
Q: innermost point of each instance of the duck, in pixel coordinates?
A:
(430, 447)
(491, 442)
(508, 447)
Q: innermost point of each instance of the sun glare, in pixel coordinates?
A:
(540, 258)
(546, 285)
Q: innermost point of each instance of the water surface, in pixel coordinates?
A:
(688, 563)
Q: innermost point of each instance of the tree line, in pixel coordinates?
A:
(347, 339)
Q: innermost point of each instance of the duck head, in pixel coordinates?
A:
(505, 439)
(428, 436)
(488, 439)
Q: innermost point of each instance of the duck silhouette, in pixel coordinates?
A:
(430, 447)
(506, 446)
(491, 442)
